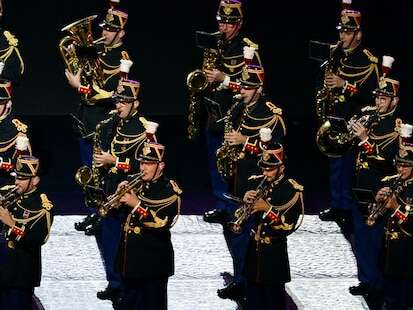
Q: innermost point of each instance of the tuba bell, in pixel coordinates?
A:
(78, 50)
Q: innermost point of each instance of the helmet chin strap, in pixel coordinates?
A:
(6, 111)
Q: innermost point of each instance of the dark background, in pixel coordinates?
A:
(160, 41)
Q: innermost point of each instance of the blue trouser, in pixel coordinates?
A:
(18, 299)
(367, 247)
(108, 238)
(238, 245)
(341, 178)
(398, 294)
(148, 294)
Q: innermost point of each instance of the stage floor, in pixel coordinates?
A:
(322, 266)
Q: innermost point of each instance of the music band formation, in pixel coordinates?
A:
(133, 205)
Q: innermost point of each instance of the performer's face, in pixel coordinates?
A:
(405, 172)
(274, 173)
(350, 39)
(385, 103)
(151, 170)
(25, 185)
(229, 30)
(126, 108)
(248, 95)
(112, 37)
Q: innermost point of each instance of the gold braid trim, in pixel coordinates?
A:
(161, 204)
(19, 125)
(4, 146)
(6, 53)
(286, 207)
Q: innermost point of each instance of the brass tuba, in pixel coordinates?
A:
(334, 141)
(78, 51)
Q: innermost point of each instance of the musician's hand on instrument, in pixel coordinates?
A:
(121, 185)
(359, 131)
(105, 159)
(249, 196)
(260, 206)
(73, 79)
(130, 199)
(334, 81)
(6, 218)
(214, 75)
(382, 194)
(392, 203)
(235, 138)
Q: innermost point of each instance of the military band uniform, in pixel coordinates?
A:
(13, 136)
(267, 265)
(398, 253)
(358, 67)
(146, 256)
(230, 62)
(20, 247)
(10, 55)
(373, 164)
(124, 140)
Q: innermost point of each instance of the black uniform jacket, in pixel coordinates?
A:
(230, 62)
(10, 129)
(248, 120)
(20, 256)
(375, 161)
(146, 250)
(99, 103)
(359, 67)
(124, 139)
(267, 257)
(10, 56)
(398, 250)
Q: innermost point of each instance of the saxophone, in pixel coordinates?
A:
(326, 98)
(243, 213)
(197, 82)
(91, 178)
(227, 155)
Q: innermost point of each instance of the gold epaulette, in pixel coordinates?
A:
(254, 177)
(371, 57)
(295, 184)
(175, 187)
(390, 177)
(11, 39)
(250, 43)
(143, 120)
(46, 203)
(19, 125)
(274, 109)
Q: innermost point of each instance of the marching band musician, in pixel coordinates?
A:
(353, 82)
(254, 114)
(13, 135)
(378, 147)
(27, 221)
(95, 107)
(146, 257)
(276, 212)
(231, 59)
(398, 246)
(11, 61)
(122, 140)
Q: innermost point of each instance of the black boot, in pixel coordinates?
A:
(87, 221)
(334, 215)
(215, 216)
(359, 289)
(93, 228)
(108, 293)
(234, 291)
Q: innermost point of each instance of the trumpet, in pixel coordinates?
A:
(378, 209)
(114, 200)
(243, 213)
(9, 198)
